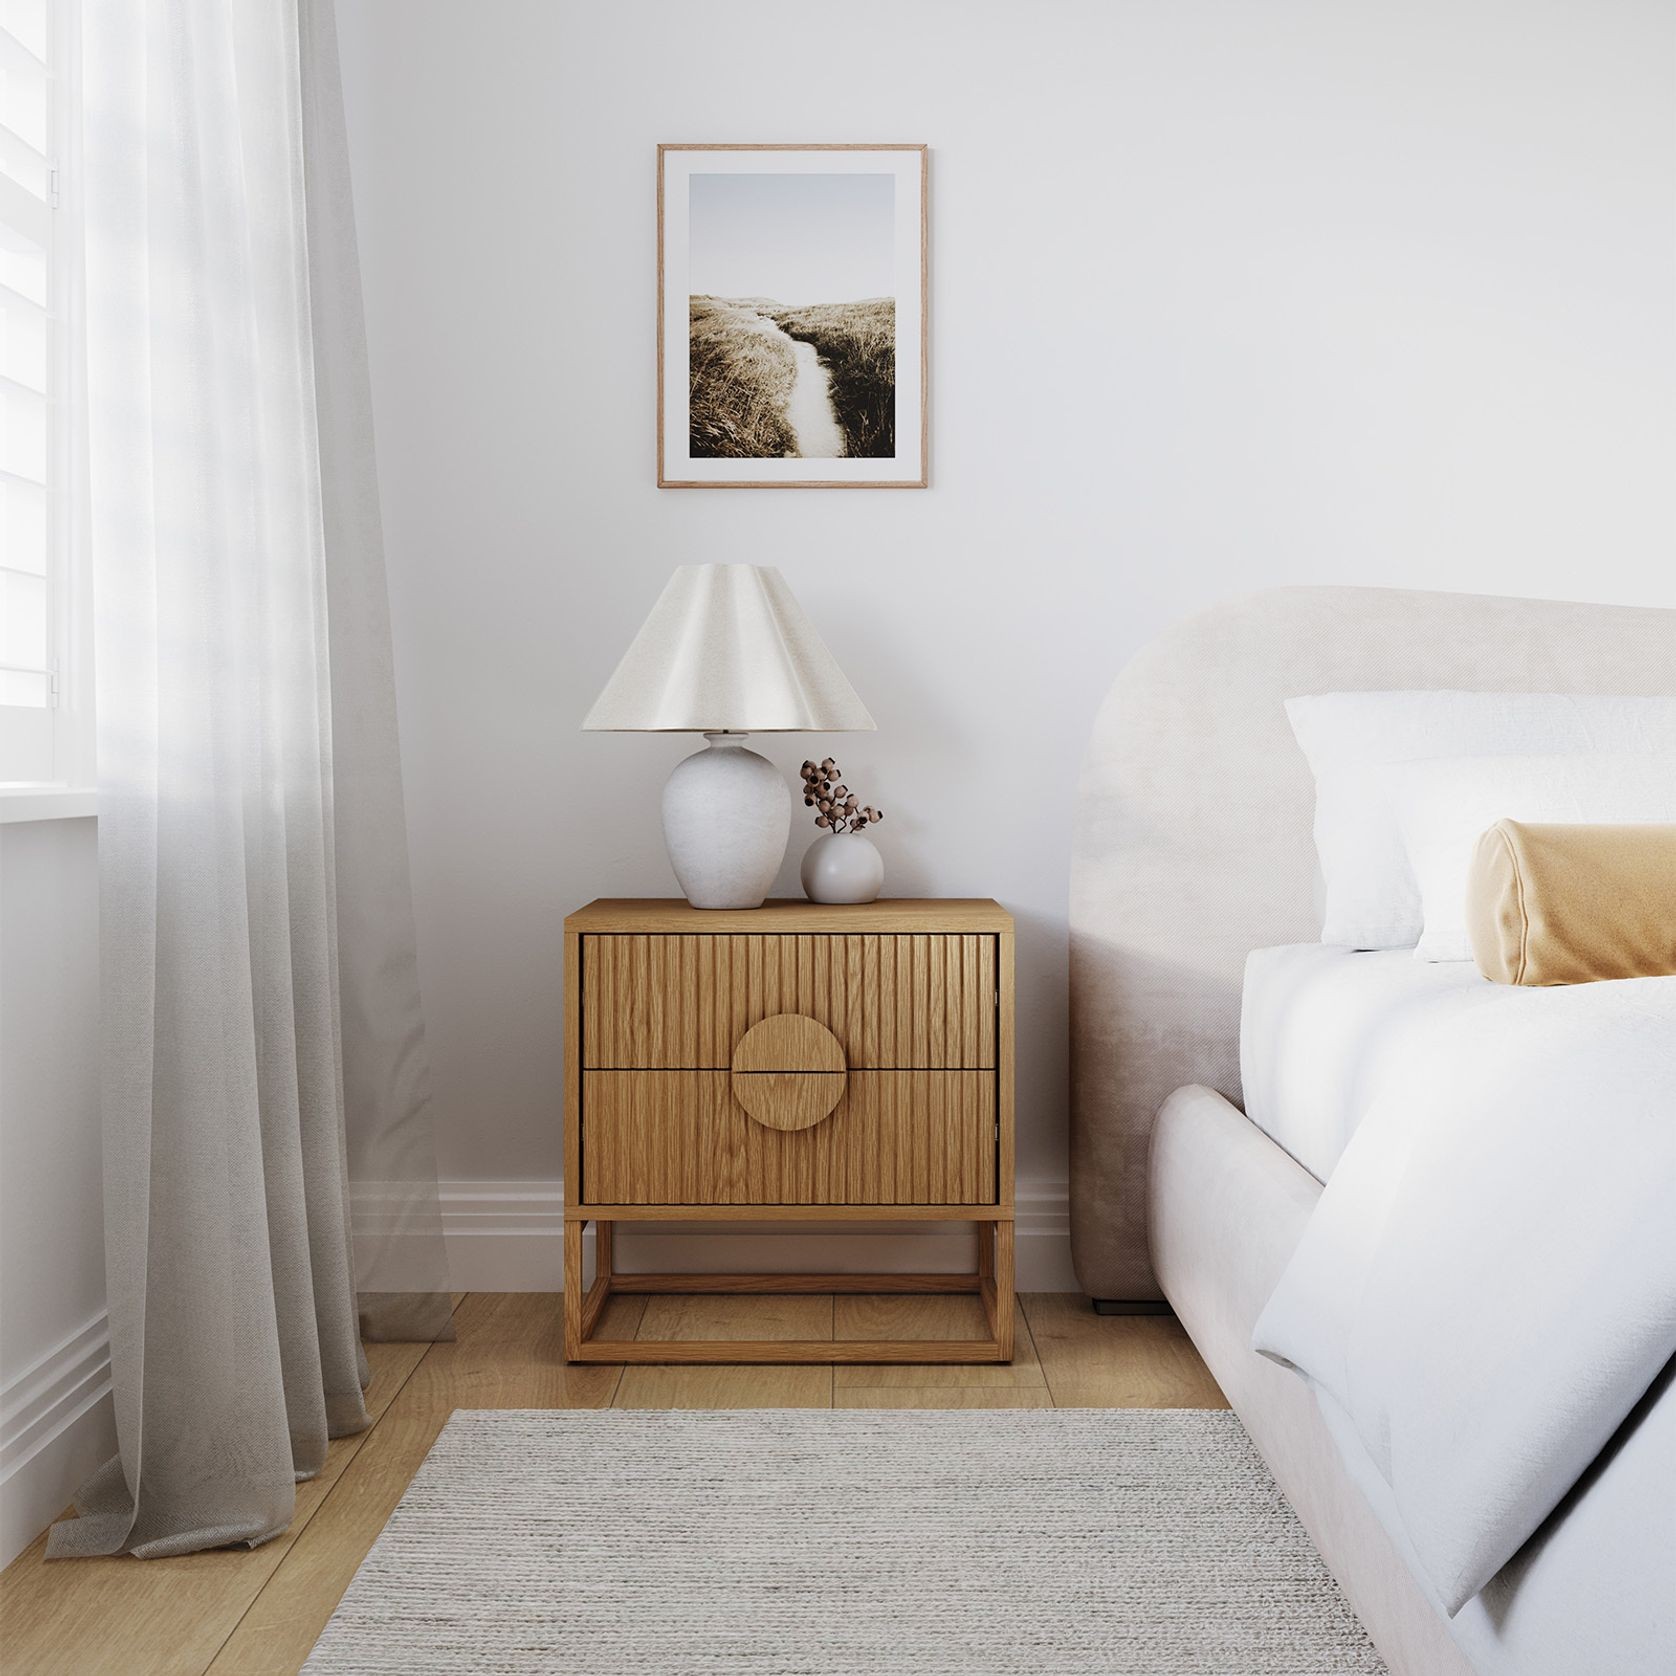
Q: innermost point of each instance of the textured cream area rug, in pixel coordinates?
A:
(820, 1542)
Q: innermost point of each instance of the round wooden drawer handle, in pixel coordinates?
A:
(789, 1071)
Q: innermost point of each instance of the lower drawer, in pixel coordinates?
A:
(895, 1138)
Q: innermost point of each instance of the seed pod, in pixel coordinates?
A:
(821, 820)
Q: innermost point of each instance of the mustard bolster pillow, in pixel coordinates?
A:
(1573, 904)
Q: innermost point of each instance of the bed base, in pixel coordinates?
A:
(1227, 1208)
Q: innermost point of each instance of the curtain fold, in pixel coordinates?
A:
(260, 1018)
(403, 1274)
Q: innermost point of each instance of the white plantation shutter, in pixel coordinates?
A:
(34, 110)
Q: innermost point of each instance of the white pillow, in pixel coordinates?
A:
(1350, 738)
(1445, 804)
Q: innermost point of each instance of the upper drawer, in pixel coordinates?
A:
(894, 1003)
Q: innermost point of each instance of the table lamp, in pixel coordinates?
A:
(727, 652)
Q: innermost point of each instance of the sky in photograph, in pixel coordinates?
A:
(796, 238)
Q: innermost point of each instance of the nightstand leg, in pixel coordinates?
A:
(573, 1288)
(602, 1251)
(1004, 1289)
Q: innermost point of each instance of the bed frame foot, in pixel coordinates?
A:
(1128, 1306)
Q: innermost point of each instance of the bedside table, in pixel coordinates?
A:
(797, 1064)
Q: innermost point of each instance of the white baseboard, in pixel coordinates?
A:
(507, 1236)
(56, 1419)
(56, 1426)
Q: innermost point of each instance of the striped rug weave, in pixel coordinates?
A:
(792, 1542)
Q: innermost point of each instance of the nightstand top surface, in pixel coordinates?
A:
(897, 916)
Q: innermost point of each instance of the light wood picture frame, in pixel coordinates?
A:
(793, 317)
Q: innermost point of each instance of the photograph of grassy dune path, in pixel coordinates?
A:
(772, 382)
(792, 329)
(792, 316)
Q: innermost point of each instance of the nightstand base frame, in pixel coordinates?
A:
(992, 1283)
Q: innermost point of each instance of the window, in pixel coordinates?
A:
(43, 641)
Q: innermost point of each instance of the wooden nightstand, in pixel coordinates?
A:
(789, 1063)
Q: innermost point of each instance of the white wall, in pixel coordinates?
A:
(56, 1423)
(1224, 296)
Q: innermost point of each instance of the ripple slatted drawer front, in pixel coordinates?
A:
(914, 1002)
(885, 1042)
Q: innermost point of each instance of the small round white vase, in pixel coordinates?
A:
(842, 867)
(726, 820)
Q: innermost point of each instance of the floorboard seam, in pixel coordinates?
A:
(363, 1439)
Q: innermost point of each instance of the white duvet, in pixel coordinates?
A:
(1489, 1281)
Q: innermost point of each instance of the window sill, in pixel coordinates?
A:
(47, 803)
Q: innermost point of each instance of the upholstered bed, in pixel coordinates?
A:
(1193, 848)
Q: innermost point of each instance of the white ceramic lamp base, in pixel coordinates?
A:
(726, 819)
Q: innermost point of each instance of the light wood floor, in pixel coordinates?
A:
(256, 1612)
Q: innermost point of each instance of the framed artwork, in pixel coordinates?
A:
(791, 317)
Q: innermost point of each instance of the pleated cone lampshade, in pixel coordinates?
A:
(727, 651)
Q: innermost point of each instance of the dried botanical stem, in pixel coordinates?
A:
(836, 807)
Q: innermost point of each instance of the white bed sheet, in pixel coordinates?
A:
(1319, 1027)
(1487, 1287)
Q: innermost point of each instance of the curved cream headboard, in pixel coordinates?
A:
(1193, 843)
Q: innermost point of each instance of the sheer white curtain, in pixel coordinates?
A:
(261, 1015)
